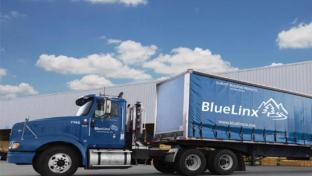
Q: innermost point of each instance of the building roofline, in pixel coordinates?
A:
(266, 67)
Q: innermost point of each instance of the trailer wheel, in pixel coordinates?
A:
(222, 162)
(191, 162)
(58, 161)
(163, 167)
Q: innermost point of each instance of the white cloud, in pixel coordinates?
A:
(16, 14)
(131, 60)
(89, 82)
(11, 15)
(103, 37)
(131, 52)
(275, 64)
(113, 41)
(124, 2)
(162, 78)
(102, 64)
(180, 59)
(2, 50)
(296, 37)
(9, 96)
(11, 91)
(3, 72)
(295, 21)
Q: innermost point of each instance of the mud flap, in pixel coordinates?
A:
(241, 163)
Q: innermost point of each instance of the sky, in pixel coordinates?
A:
(49, 46)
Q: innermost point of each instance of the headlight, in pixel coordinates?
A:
(14, 145)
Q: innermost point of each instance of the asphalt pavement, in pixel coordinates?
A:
(26, 170)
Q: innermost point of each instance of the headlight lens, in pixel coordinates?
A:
(14, 146)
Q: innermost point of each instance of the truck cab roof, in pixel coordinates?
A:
(82, 100)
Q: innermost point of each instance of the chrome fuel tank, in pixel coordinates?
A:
(109, 158)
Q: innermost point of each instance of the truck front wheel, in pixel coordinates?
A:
(35, 165)
(191, 162)
(58, 161)
(222, 162)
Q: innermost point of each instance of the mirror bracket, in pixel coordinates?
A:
(107, 106)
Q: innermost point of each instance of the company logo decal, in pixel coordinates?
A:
(110, 128)
(273, 110)
(114, 127)
(268, 108)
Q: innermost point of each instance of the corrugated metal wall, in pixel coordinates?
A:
(293, 77)
(63, 104)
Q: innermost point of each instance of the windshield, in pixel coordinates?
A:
(84, 109)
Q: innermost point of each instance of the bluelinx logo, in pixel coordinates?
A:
(268, 108)
(273, 110)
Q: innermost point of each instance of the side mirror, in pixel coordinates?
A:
(107, 106)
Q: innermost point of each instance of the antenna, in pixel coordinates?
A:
(102, 94)
(104, 91)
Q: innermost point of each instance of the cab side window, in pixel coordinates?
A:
(99, 111)
(115, 109)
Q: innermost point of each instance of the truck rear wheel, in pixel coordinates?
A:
(222, 162)
(163, 167)
(58, 161)
(191, 162)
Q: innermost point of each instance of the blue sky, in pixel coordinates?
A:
(60, 45)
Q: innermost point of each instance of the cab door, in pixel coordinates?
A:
(106, 129)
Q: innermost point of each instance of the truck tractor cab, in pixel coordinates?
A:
(106, 118)
(101, 135)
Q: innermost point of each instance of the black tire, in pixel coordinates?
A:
(59, 157)
(222, 162)
(35, 165)
(163, 167)
(3, 156)
(190, 162)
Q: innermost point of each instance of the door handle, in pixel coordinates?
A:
(92, 123)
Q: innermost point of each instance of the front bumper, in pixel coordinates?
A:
(21, 157)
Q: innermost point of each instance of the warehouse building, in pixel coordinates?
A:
(296, 77)
(293, 77)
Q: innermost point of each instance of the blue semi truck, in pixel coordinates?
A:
(209, 122)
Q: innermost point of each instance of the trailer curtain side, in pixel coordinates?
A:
(224, 109)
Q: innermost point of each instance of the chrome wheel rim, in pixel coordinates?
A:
(59, 163)
(226, 162)
(192, 162)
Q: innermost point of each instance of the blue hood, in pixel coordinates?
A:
(69, 125)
